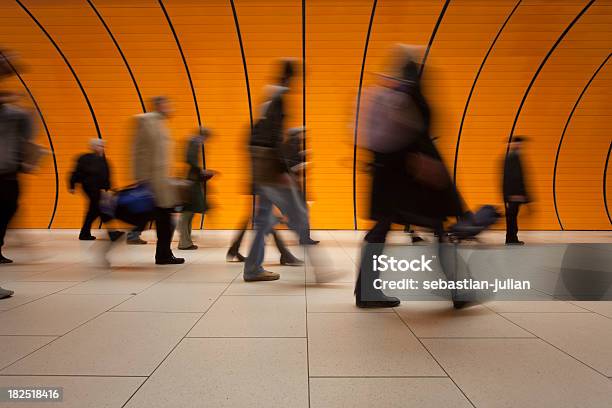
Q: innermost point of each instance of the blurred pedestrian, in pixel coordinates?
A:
(410, 184)
(152, 147)
(16, 130)
(93, 174)
(514, 189)
(199, 176)
(272, 181)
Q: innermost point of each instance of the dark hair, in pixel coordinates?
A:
(157, 100)
(288, 69)
(518, 139)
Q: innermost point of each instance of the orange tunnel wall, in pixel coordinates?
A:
(538, 68)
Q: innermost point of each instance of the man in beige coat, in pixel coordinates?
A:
(152, 147)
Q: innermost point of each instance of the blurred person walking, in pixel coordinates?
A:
(93, 174)
(199, 176)
(291, 150)
(152, 147)
(272, 181)
(16, 131)
(410, 184)
(514, 189)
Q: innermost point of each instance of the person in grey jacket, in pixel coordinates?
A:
(15, 131)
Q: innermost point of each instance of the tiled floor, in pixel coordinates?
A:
(196, 335)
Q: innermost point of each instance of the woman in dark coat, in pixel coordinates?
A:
(198, 175)
(410, 184)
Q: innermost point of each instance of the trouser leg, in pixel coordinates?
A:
(286, 201)
(235, 247)
(252, 264)
(280, 244)
(93, 212)
(184, 227)
(512, 210)
(374, 243)
(163, 224)
(8, 204)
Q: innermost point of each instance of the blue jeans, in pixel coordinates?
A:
(289, 203)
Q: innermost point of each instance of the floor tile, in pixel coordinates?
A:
(335, 297)
(519, 373)
(281, 287)
(72, 273)
(254, 316)
(26, 292)
(78, 392)
(119, 282)
(365, 344)
(224, 373)
(585, 336)
(207, 273)
(116, 343)
(12, 348)
(56, 314)
(529, 306)
(601, 307)
(385, 392)
(439, 319)
(174, 297)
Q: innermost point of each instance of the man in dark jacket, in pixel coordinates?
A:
(515, 192)
(273, 184)
(93, 174)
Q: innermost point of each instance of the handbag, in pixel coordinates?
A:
(136, 199)
(428, 171)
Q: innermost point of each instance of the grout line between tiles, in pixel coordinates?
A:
(59, 337)
(549, 343)
(380, 376)
(433, 357)
(179, 342)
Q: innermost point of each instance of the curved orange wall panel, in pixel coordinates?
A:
(493, 69)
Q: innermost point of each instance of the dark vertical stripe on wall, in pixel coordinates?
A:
(433, 36)
(569, 118)
(363, 63)
(537, 73)
(44, 122)
(605, 179)
(193, 92)
(76, 77)
(110, 33)
(246, 78)
(304, 93)
(469, 98)
(180, 48)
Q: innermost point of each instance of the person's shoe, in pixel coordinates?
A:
(87, 238)
(460, 304)
(309, 241)
(234, 257)
(136, 241)
(189, 248)
(416, 239)
(115, 235)
(517, 242)
(262, 276)
(386, 301)
(169, 261)
(5, 293)
(5, 260)
(290, 260)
